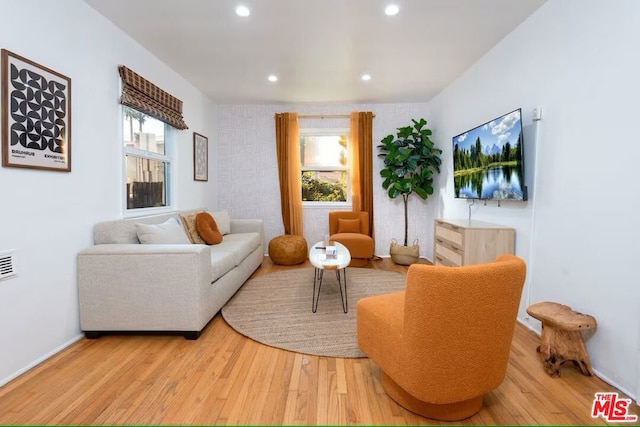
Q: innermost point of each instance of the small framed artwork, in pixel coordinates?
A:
(36, 115)
(200, 157)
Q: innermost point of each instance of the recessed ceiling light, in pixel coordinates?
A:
(391, 10)
(366, 77)
(272, 78)
(243, 11)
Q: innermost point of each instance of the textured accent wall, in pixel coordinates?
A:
(248, 178)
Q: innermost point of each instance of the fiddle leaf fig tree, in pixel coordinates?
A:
(410, 160)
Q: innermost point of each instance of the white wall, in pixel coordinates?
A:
(249, 170)
(47, 217)
(579, 61)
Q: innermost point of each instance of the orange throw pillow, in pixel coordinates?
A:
(349, 225)
(208, 229)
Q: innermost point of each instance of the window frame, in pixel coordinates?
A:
(168, 158)
(327, 132)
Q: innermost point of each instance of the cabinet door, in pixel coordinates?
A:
(484, 245)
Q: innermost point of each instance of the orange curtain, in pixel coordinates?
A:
(361, 163)
(289, 173)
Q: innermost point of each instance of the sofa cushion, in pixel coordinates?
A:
(207, 228)
(240, 244)
(223, 220)
(167, 232)
(359, 245)
(221, 263)
(189, 223)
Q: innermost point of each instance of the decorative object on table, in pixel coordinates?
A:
(444, 342)
(273, 309)
(36, 115)
(561, 339)
(200, 157)
(410, 160)
(330, 251)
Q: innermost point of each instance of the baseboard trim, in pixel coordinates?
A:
(597, 373)
(41, 359)
(612, 383)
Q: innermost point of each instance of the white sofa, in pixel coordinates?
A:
(124, 285)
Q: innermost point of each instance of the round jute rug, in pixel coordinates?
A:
(275, 309)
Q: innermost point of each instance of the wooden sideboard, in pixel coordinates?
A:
(463, 242)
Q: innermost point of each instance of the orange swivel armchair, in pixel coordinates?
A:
(352, 230)
(444, 342)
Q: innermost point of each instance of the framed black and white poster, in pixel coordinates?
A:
(36, 115)
(200, 157)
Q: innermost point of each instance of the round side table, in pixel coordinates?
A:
(321, 262)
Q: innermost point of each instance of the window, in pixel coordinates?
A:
(147, 163)
(323, 157)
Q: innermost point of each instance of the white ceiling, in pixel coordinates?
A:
(318, 49)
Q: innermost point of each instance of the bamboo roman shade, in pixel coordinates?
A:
(141, 94)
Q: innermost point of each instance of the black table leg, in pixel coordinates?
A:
(317, 277)
(343, 295)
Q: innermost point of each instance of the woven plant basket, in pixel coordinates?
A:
(404, 255)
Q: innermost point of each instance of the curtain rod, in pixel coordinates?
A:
(325, 116)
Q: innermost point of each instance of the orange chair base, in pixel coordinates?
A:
(444, 412)
(358, 262)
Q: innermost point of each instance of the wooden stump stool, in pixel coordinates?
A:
(561, 338)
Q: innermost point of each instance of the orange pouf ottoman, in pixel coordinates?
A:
(288, 249)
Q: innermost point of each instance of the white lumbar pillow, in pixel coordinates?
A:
(223, 221)
(167, 232)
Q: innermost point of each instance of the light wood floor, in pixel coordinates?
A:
(225, 378)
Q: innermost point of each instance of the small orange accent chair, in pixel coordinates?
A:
(444, 342)
(352, 230)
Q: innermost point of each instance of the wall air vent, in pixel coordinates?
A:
(7, 264)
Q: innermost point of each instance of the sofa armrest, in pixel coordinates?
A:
(143, 287)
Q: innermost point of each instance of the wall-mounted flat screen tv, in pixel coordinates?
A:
(488, 160)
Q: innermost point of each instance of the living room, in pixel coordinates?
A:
(577, 60)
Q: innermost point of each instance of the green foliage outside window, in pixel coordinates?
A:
(316, 189)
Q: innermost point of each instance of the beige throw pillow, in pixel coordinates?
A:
(189, 224)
